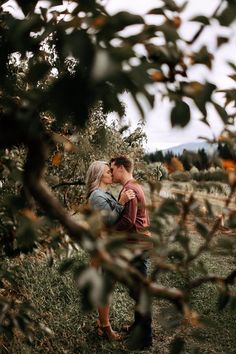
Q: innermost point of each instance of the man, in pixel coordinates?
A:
(134, 220)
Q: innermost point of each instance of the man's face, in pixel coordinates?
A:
(116, 172)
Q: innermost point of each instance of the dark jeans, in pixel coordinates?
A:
(142, 322)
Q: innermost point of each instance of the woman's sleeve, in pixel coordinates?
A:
(112, 209)
(100, 203)
(117, 207)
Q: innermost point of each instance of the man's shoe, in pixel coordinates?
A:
(127, 328)
(144, 345)
(138, 339)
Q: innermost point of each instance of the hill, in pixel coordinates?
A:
(194, 146)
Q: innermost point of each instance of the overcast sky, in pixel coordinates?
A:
(158, 129)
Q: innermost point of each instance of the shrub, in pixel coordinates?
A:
(180, 176)
(219, 175)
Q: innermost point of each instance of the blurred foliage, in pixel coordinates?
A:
(62, 70)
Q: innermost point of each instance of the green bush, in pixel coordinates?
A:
(218, 175)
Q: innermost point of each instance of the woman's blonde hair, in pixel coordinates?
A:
(94, 175)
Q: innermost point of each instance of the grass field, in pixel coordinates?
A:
(58, 307)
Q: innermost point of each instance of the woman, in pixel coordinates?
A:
(97, 180)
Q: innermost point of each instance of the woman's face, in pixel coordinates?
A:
(106, 177)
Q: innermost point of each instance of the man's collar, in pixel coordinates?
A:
(131, 179)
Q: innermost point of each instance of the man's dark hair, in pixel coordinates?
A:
(123, 161)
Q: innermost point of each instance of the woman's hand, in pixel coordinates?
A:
(126, 196)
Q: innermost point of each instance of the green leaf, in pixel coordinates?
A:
(26, 236)
(90, 283)
(204, 97)
(70, 98)
(20, 322)
(232, 65)
(232, 303)
(203, 56)
(232, 220)
(100, 137)
(56, 2)
(170, 318)
(223, 300)
(177, 345)
(122, 20)
(79, 45)
(183, 6)
(209, 322)
(169, 207)
(171, 5)
(156, 11)
(115, 243)
(222, 40)
(182, 239)
(86, 5)
(163, 54)
(27, 6)
(209, 208)
(202, 19)
(66, 265)
(192, 89)
(180, 114)
(202, 229)
(226, 243)
(228, 15)
(176, 256)
(222, 112)
(199, 335)
(37, 72)
(200, 267)
(169, 31)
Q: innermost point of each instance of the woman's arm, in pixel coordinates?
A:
(106, 203)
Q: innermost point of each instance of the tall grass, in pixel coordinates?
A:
(58, 305)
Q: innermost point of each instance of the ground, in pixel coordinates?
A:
(58, 305)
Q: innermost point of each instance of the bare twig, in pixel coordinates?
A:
(79, 182)
(213, 279)
(200, 30)
(215, 227)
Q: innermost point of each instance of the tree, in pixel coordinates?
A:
(74, 60)
(203, 159)
(175, 165)
(186, 160)
(156, 156)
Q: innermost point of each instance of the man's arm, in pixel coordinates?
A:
(128, 217)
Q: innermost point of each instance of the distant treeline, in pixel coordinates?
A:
(200, 159)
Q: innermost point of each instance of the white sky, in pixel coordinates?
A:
(159, 132)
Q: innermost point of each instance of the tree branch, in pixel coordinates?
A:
(34, 182)
(79, 182)
(213, 279)
(215, 227)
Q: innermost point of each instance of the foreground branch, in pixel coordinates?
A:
(79, 182)
(33, 180)
(229, 280)
(203, 26)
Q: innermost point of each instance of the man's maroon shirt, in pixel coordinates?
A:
(134, 217)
